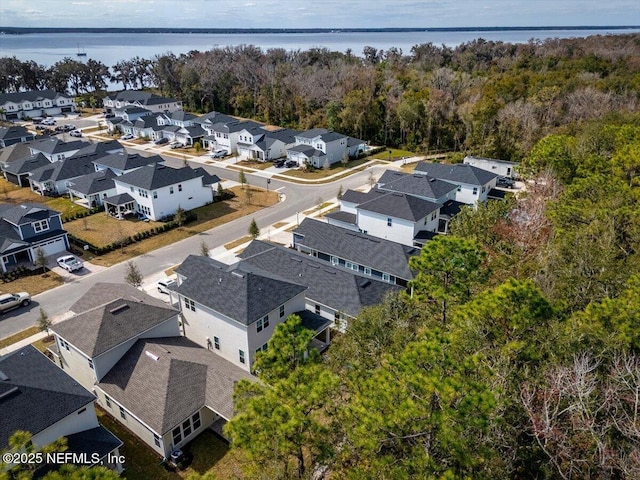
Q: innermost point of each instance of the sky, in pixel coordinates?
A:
(316, 13)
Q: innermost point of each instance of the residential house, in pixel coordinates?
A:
(14, 152)
(265, 145)
(18, 171)
(35, 103)
(38, 397)
(234, 312)
(473, 183)
(178, 118)
(131, 113)
(157, 191)
(16, 134)
(126, 346)
(189, 135)
(355, 147)
(418, 185)
(147, 127)
(53, 179)
(391, 215)
(334, 293)
(225, 135)
(24, 229)
(55, 149)
(90, 190)
(123, 162)
(318, 147)
(503, 168)
(370, 256)
(149, 101)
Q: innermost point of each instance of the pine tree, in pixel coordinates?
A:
(254, 231)
(133, 276)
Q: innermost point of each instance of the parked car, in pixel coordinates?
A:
(60, 128)
(70, 263)
(37, 120)
(76, 133)
(175, 145)
(161, 141)
(40, 127)
(291, 164)
(68, 127)
(166, 284)
(49, 121)
(505, 182)
(128, 136)
(279, 163)
(14, 300)
(220, 153)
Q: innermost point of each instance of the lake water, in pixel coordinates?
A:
(110, 48)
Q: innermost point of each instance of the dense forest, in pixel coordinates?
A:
(515, 353)
(491, 98)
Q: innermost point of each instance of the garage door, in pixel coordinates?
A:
(53, 246)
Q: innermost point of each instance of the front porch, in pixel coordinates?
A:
(119, 206)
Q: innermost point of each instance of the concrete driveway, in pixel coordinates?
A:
(88, 269)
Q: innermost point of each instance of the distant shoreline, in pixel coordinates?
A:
(28, 30)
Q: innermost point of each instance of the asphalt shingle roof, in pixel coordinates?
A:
(457, 173)
(25, 212)
(420, 185)
(155, 176)
(26, 164)
(35, 394)
(400, 205)
(363, 249)
(180, 376)
(95, 440)
(335, 287)
(31, 96)
(93, 183)
(17, 131)
(51, 145)
(113, 322)
(127, 161)
(15, 152)
(242, 296)
(344, 217)
(64, 169)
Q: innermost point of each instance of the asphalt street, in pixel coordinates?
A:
(297, 198)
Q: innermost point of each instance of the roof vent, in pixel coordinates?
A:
(397, 194)
(119, 308)
(151, 355)
(432, 179)
(3, 377)
(220, 281)
(238, 274)
(8, 393)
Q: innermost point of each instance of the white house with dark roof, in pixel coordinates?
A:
(368, 255)
(418, 185)
(473, 183)
(90, 190)
(127, 346)
(18, 170)
(38, 397)
(55, 149)
(503, 168)
(225, 135)
(123, 162)
(131, 113)
(234, 311)
(264, 145)
(24, 229)
(53, 179)
(15, 134)
(149, 101)
(319, 146)
(35, 103)
(157, 191)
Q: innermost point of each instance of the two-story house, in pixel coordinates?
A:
(264, 145)
(55, 149)
(226, 135)
(127, 347)
(16, 134)
(131, 113)
(123, 162)
(24, 229)
(18, 170)
(149, 101)
(90, 190)
(157, 191)
(53, 179)
(503, 168)
(473, 183)
(318, 147)
(35, 103)
(375, 257)
(38, 397)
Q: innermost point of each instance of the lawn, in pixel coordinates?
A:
(16, 337)
(321, 173)
(255, 164)
(395, 154)
(12, 193)
(238, 242)
(34, 284)
(102, 229)
(209, 216)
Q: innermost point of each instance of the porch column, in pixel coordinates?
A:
(327, 336)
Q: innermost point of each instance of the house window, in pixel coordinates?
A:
(171, 190)
(263, 323)
(122, 413)
(179, 187)
(334, 260)
(80, 412)
(367, 271)
(475, 190)
(156, 440)
(317, 309)
(155, 194)
(190, 304)
(196, 420)
(91, 364)
(263, 348)
(186, 428)
(352, 266)
(177, 435)
(386, 277)
(281, 311)
(241, 354)
(107, 401)
(131, 188)
(389, 221)
(40, 226)
(216, 343)
(434, 215)
(484, 189)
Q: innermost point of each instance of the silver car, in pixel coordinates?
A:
(166, 284)
(70, 263)
(14, 300)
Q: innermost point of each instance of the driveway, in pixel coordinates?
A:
(88, 269)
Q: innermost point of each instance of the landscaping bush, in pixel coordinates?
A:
(81, 214)
(19, 272)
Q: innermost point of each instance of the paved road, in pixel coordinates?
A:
(297, 199)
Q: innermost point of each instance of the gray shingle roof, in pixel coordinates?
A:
(314, 132)
(307, 150)
(131, 109)
(344, 217)
(214, 117)
(104, 292)
(417, 184)
(363, 249)
(119, 199)
(95, 440)
(285, 135)
(335, 287)
(127, 161)
(15, 152)
(64, 169)
(17, 131)
(155, 176)
(100, 148)
(31, 96)
(93, 183)
(184, 378)
(26, 164)
(51, 145)
(353, 196)
(457, 173)
(44, 394)
(113, 322)
(400, 205)
(25, 212)
(242, 296)
(10, 241)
